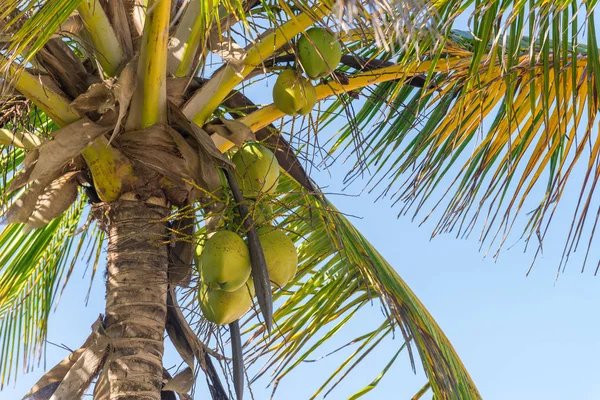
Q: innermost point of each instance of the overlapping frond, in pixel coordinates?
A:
(497, 134)
(34, 266)
(30, 24)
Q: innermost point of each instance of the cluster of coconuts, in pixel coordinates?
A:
(227, 289)
(319, 53)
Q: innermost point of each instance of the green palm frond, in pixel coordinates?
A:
(30, 25)
(34, 266)
(506, 125)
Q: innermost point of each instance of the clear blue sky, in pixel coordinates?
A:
(520, 337)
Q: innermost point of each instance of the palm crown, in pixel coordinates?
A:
(117, 128)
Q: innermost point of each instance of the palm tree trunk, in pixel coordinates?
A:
(136, 299)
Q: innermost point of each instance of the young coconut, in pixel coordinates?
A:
(223, 307)
(225, 261)
(319, 52)
(257, 169)
(293, 94)
(280, 255)
(261, 212)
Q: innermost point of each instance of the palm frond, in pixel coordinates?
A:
(458, 146)
(34, 266)
(392, 24)
(33, 269)
(31, 24)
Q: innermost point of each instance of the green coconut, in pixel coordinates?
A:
(293, 94)
(223, 307)
(257, 169)
(261, 212)
(225, 261)
(319, 52)
(280, 255)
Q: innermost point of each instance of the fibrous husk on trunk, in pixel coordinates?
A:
(189, 346)
(22, 176)
(64, 67)
(48, 384)
(68, 143)
(181, 383)
(55, 200)
(136, 296)
(97, 98)
(192, 158)
(102, 387)
(236, 132)
(181, 252)
(22, 208)
(161, 154)
(157, 157)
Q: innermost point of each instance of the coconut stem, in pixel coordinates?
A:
(238, 359)
(260, 274)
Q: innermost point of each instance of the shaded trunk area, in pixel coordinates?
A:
(136, 299)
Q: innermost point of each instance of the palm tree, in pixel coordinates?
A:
(117, 131)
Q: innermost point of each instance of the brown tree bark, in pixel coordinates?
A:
(136, 299)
